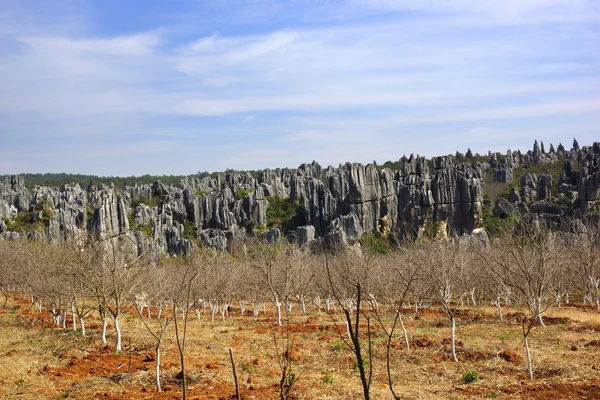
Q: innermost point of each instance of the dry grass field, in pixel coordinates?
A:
(41, 362)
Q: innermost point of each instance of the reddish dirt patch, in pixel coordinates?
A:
(538, 391)
(430, 313)
(103, 363)
(448, 342)
(424, 341)
(556, 320)
(473, 355)
(562, 390)
(583, 327)
(510, 356)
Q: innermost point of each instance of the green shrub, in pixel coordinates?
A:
(506, 192)
(338, 346)
(42, 204)
(242, 193)
(496, 226)
(286, 213)
(139, 201)
(327, 379)
(470, 376)
(189, 230)
(376, 242)
(431, 230)
(23, 223)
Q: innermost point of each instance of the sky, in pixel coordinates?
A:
(120, 88)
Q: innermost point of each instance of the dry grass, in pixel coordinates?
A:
(42, 362)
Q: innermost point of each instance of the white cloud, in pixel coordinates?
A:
(450, 65)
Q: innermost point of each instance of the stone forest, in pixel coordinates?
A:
(462, 276)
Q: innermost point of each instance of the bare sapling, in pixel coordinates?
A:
(526, 263)
(186, 273)
(344, 285)
(286, 355)
(444, 267)
(156, 287)
(393, 283)
(235, 377)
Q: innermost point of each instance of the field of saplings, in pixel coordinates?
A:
(515, 318)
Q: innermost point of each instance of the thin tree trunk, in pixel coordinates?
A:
(103, 332)
(74, 317)
(406, 342)
(528, 353)
(157, 368)
(499, 307)
(538, 311)
(237, 388)
(278, 305)
(118, 347)
(82, 323)
(452, 339)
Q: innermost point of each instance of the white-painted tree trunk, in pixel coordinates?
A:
(528, 353)
(82, 323)
(103, 331)
(278, 306)
(73, 314)
(472, 294)
(406, 342)
(118, 347)
(499, 307)
(452, 339)
(538, 310)
(157, 369)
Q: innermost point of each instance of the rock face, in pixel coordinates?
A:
(336, 205)
(340, 202)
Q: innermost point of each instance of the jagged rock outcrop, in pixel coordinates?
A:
(110, 214)
(304, 235)
(350, 226)
(337, 204)
(213, 239)
(271, 236)
(504, 208)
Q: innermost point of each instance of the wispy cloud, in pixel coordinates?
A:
(266, 75)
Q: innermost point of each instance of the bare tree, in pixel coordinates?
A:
(275, 269)
(443, 268)
(392, 282)
(525, 263)
(114, 276)
(285, 353)
(156, 286)
(218, 281)
(345, 279)
(185, 277)
(585, 251)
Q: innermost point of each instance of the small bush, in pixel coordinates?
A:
(285, 213)
(376, 242)
(338, 346)
(470, 376)
(242, 193)
(328, 379)
(496, 226)
(190, 232)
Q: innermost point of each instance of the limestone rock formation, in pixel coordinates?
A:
(336, 204)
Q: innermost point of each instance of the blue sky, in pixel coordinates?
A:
(177, 87)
